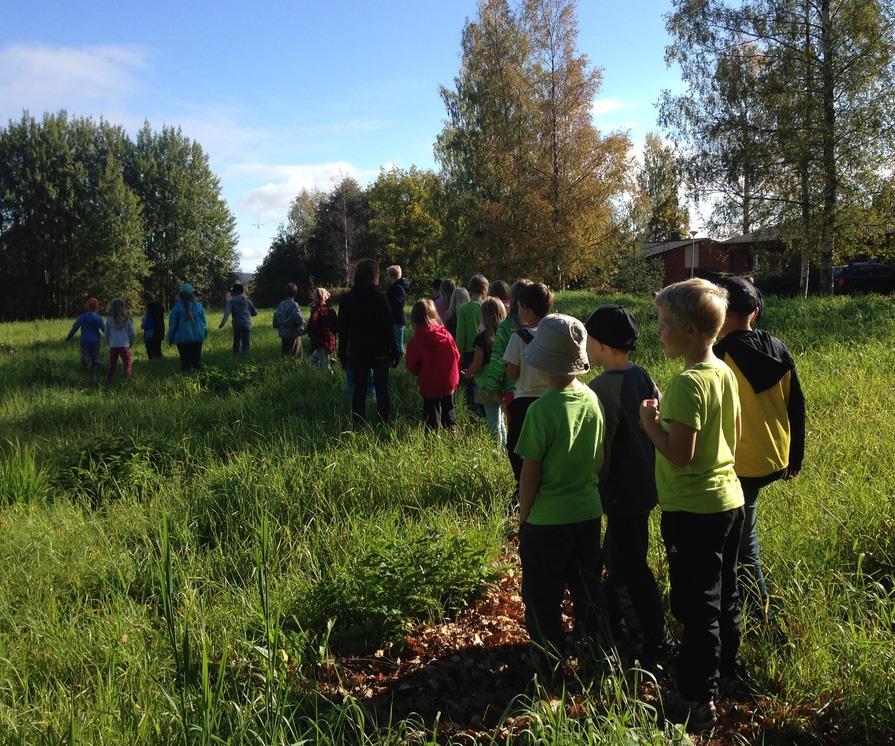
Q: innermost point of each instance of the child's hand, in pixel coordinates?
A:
(649, 411)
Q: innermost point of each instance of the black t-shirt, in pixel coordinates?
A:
(486, 343)
(627, 479)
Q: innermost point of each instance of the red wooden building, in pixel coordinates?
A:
(698, 257)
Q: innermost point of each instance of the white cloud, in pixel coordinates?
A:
(271, 200)
(40, 77)
(601, 106)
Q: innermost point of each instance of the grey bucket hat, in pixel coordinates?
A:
(559, 347)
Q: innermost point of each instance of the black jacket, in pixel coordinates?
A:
(366, 329)
(397, 297)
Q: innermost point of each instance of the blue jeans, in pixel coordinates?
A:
(241, 341)
(751, 574)
(399, 337)
(496, 423)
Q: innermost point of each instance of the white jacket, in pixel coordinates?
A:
(120, 335)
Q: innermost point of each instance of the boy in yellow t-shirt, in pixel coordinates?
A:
(695, 436)
(772, 445)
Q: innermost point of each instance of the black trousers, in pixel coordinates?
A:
(359, 392)
(440, 412)
(553, 558)
(290, 345)
(627, 545)
(241, 341)
(469, 387)
(190, 355)
(702, 565)
(154, 348)
(517, 410)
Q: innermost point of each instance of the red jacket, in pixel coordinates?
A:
(433, 356)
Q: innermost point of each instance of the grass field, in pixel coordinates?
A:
(183, 558)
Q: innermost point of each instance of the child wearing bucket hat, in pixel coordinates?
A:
(627, 479)
(561, 445)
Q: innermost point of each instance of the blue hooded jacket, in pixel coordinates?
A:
(182, 330)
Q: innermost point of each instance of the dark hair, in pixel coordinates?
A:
(537, 298)
(237, 288)
(292, 290)
(436, 284)
(366, 270)
(478, 284)
(148, 297)
(499, 289)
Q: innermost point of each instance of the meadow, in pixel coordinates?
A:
(184, 559)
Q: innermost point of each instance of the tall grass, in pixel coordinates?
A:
(179, 555)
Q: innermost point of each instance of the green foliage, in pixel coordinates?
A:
(86, 212)
(376, 529)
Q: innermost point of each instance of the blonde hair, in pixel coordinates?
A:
(117, 310)
(493, 312)
(394, 271)
(423, 313)
(696, 302)
(458, 298)
(321, 295)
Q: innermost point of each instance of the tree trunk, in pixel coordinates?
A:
(831, 185)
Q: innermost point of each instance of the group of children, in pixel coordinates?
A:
(730, 423)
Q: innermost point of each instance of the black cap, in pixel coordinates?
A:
(614, 326)
(742, 295)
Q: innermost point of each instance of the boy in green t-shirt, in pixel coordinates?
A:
(695, 436)
(561, 445)
(469, 317)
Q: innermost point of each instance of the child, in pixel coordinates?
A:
(494, 378)
(493, 313)
(289, 323)
(459, 297)
(695, 437)
(469, 316)
(561, 445)
(500, 290)
(92, 328)
(432, 356)
(772, 445)
(187, 328)
(322, 329)
(627, 480)
(121, 336)
(535, 302)
(446, 289)
(397, 297)
(153, 326)
(242, 309)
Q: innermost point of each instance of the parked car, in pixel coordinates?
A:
(864, 277)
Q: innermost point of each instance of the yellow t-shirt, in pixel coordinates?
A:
(763, 447)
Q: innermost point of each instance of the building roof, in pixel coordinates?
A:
(768, 235)
(655, 248)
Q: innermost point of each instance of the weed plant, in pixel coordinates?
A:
(180, 554)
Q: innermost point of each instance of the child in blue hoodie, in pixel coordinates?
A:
(242, 310)
(92, 328)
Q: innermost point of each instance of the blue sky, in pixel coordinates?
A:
(294, 94)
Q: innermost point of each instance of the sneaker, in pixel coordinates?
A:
(698, 716)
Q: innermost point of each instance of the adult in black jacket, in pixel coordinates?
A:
(367, 339)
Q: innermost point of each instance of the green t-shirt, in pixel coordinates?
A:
(705, 398)
(468, 319)
(564, 430)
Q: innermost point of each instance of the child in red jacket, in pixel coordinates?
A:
(432, 355)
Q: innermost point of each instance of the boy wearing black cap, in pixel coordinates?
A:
(627, 479)
(772, 444)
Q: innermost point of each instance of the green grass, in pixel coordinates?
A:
(288, 538)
